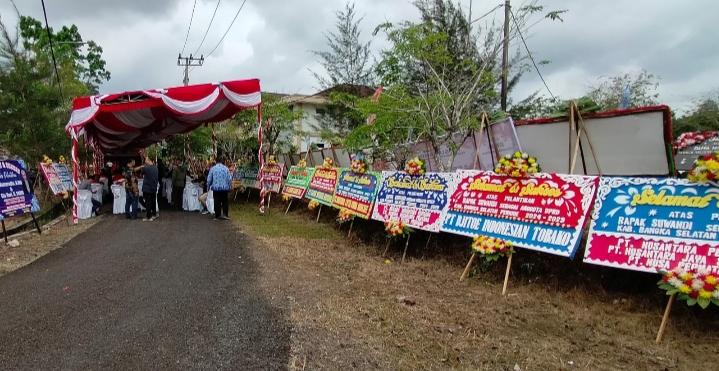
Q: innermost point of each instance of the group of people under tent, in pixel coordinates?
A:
(216, 178)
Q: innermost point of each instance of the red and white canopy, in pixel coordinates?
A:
(128, 122)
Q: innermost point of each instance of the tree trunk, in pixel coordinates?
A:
(437, 156)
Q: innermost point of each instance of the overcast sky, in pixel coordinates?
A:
(271, 39)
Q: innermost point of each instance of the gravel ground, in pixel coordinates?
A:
(180, 293)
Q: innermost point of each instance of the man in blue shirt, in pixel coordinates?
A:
(219, 180)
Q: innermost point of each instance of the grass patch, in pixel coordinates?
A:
(275, 224)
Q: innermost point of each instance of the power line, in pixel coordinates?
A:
(208, 28)
(488, 13)
(52, 51)
(228, 28)
(226, 32)
(189, 27)
(530, 55)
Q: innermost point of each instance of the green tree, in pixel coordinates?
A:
(33, 111)
(348, 61)
(278, 123)
(703, 116)
(608, 91)
(349, 67)
(88, 65)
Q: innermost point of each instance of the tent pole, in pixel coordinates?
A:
(75, 179)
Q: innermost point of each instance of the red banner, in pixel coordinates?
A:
(548, 200)
(545, 213)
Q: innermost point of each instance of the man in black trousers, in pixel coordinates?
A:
(219, 180)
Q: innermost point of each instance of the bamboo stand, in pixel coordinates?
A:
(288, 206)
(506, 274)
(386, 248)
(318, 214)
(350, 231)
(406, 245)
(4, 231)
(663, 326)
(466, 269)
(249, 190)
(269, 198)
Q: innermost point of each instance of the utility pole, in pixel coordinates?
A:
(505, 55)
(188, 62)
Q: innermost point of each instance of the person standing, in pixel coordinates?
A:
(219, 180)
(132, 193)
(179, 176)
(149, 188)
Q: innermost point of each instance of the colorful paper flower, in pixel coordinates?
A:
(271, 160)
(518, 165)
(705, 169)
(415, 167)
(395, 229)
(693, 286)
(286, 198)
(491, 248)
(46, 160)
(303, 163)
(344, 216)
(329, 163)
(358, 164)
(61, 160)
(313, 205)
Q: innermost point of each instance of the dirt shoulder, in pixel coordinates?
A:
(33, 246)
(350, 308)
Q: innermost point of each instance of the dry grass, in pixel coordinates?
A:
(352, 309)
(34, 246)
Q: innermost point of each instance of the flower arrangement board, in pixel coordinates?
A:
(690, 148)
(322, 185)
(52, 178)
(356, 192)
(419, 201)
(63, 172)
(16, 197)
(298, 179)
(250, 177)
(237, 176)
(272, 177)
(546, 212)
(650, 224)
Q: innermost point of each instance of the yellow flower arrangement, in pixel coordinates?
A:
(328, 163)
(271, 161)
(303, 163)
(694, 287)
(518, 165)
(415, 166)
(705, 169)
(491, 248)
(313, 205)
(286, 198)
(344, 216)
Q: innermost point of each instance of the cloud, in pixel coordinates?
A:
(271, 40)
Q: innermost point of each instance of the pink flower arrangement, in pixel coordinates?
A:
(688, 139)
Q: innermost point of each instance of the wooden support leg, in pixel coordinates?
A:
(506, 275)
(405, 248)
(466, 269)
(665, 319)
(350, 231)
(288, 206)
(386, 247)
(318, 214)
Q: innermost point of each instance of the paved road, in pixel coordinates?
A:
(129, 295)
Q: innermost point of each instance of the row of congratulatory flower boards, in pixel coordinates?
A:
(643, 224)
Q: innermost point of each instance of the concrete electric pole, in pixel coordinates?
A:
(188, 62)
(505, 56)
